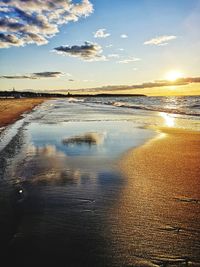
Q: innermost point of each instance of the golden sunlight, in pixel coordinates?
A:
(168, 119)
(173, 75)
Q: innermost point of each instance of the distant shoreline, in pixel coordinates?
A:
(27, 94)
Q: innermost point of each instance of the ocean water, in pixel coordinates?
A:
(65, 202)
(174, 111)
(184, 105)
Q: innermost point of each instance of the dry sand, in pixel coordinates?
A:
(12, 109)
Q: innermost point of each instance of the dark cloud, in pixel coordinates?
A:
(9, 40)
(35, 21)
(37, 75)
(7, 24)
(163, 83)
(88, 51)
(190, 80)
(15, 77)
(48, 74)
(178, 82)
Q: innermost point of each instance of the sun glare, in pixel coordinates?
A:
(168, 119)
(173, 75)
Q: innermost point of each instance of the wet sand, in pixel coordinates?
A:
(159, 209)
(174, 155)
(82, 185)
(12, 109)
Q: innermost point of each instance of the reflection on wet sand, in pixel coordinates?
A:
(88, 138)
(10, 191)
(58, 209)
(49, 165)
(60, 194)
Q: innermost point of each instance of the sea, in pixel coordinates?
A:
(183, 105)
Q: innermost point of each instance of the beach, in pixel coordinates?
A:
(12, 109)
(163, 193)
(100, 133)
(172, 156)
(92, 183)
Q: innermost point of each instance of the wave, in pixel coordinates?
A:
(195, 106)
(174, 105)
(127, 105)
(72, 99)
(156, 108)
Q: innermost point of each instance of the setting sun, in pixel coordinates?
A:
(173, 75)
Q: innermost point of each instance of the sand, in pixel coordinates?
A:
(172, 159)
(158, 211)
(12, 109)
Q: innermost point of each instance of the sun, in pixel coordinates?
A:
(173, 75)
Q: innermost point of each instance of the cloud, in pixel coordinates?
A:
(87, 81)
(189, 80)
(101, 33)
(109, 46)
(87, 52)
(4, 9)
(25, 22)
(162, 83)
(113, 55)
(160, 40)
(16, 77)
(148, 85)
(124, 36)
(68, 74)
(128, 60)
(7, 40)
(36, 75)
(48, 74)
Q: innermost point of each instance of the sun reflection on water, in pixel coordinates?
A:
(169, 120)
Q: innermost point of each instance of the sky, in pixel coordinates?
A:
(123, 46)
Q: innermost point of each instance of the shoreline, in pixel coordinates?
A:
(12, 109)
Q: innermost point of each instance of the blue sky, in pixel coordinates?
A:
(169, 28)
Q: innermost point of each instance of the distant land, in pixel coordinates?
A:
(28, 94)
